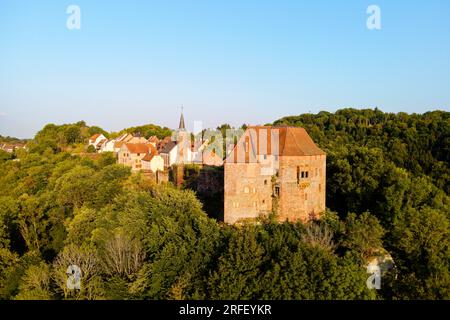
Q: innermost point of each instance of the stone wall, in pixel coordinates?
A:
(247, 192)
(302, 196)
(298, 189)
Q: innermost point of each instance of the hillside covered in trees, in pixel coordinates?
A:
(387, 187)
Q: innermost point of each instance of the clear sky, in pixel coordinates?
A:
(226, 61)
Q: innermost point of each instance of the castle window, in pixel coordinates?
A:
(265, 182)
(276, 157)
(138, 154)
(298, 175)
(304, 175)
(317, 172)
(264, 202)
(277, 191)
(320, 187)
(265, 157)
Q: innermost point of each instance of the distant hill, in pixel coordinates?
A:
(61, 137)
(148, 130)
(419, 143)
(74, 136)
(12, 140)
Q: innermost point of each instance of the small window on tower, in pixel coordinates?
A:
(306, 174)
(277, 191)
(265, 182)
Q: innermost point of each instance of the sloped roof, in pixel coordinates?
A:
(94, 137)
(168, 147)
(137, 147)
(127, 138)
(122, 136)
(101, 142)
(297, 142)
(148, 157)
(151, 153)
(293, 141)
(118, 144)
(181, 126)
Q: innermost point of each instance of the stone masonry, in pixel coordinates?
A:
(275, 170)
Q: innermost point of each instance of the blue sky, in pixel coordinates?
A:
(226, 61)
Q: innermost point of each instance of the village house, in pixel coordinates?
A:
(10, 148)
(108, 146)
(102, 144)
(154, 141)
(140, 156)
(180, 149)
(152, 161)
(275, 170)
(97, 140)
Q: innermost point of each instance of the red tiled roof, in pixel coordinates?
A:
(148, 157)
(137, 147)
(94, 137)
(293, 141)
(151, 153)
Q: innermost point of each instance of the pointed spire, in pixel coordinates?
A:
(182, 126)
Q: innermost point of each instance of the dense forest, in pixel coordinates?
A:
(11, 140)
(387, 189)
(148, 130)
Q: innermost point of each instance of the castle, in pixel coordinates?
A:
(275, 170)
(270, 170)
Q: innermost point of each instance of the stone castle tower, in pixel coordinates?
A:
(276, 170)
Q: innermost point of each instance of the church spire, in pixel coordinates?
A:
(182, 126)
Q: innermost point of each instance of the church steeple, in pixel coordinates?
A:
(181, 125)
